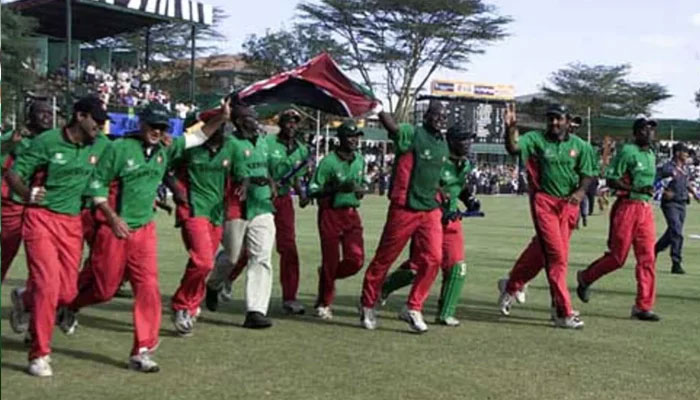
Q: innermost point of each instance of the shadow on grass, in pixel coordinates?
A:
(14, 367)
(17, 345)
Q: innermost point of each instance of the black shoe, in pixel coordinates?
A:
(677, 269)
(212, 299)
(256, 320)
(645, 315)
(585, 222)
(582, 290)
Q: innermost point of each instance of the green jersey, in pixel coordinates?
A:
(453, 179)
(203, 171)
(635, 167)
(9, 155)
(416, 178)
(135, 175)
(555, 167)
(284, 160)
(251, 160)
(62, 168)
(333, 170)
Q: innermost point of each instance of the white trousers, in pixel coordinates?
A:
(257, 236)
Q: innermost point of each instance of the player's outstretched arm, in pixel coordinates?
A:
(512, 133)
(389, 124)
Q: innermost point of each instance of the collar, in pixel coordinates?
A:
(353, 156)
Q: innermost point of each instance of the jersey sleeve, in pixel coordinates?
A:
(107, 169)
(176, 150)
(404, 138)
(585, 164)
(320, 178)
(618, 166)
(30, 160)
(527, 144)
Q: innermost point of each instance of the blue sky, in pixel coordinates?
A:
(660, 39)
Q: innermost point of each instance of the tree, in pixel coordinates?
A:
(408, 40)
(697, 98)
(17, 56)
(281, 50)
(604, 89)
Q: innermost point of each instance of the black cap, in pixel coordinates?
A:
(290, 114)
(457, 132)
(93, 106)
(155, 114)
(680, 147)
(639, 123)
(349, 128)
(558, 110)
(577, 120)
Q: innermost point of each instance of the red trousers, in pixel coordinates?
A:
(287, 247)
(631, 224)
(111, 259)
(402, 224)
(554, 220)
(89, 226)
(452, 247)
(338, 228)
(54, 245)
(12, 214)
(201, 239)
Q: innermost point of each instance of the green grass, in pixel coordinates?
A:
(488, 357)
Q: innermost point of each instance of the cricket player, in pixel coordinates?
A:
(337, 184)
(38, 121)
(414, 213)
(454, 184)
(255, 229)
(674, 200)
(631, 174)
(124, 191)
(202, 174)
(289, 158)
(560, 166)
(51, 177)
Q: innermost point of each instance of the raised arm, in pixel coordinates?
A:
(389, 124)
(512, 133)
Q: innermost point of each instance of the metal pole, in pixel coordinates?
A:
(672, 135)
(69, 39)
(53, 111)
(192, 81)
(148, 46)
(327, 137)
(318, 136)
(589, 124)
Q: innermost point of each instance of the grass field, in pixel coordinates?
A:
(488, 357)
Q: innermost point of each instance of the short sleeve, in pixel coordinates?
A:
(404, 138)
(585, 165)
(618, 166)
(176, 150)
(29, 161)
(527, 144)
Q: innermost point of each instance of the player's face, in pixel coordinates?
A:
(288, 127)
(246, 121)
(459, 147)
(683, 157)
(435, 119)
(557, 124)
(644, 136)
(42, 117)
(350, 143)
(88, 126)
(154, 133)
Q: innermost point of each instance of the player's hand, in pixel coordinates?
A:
(226, 108)
(510, 116)
(668, 195)
(17, 136)
(241, 191)
(166, 139)
(577, 197)
(119, 227)
(36, 195)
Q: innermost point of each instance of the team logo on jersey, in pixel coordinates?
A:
(247, 153)
(58, 159)
(93, 159)
(640, 166)
(225, 163)
(159, 159)
(130, 163)
(426, 155)
(572, 153)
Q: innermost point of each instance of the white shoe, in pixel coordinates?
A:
(67, 320)
(40, 367)
(449, 321)
(505, 300)
(571, 322)
(520, 294)
(324, 312)
(143, 362)
(415, 321)
(19, 317)
(183, 323)
(553, 313)
(368, 318)
(226, 293)
(293, 307)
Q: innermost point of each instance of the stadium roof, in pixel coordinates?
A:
(96, 19)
